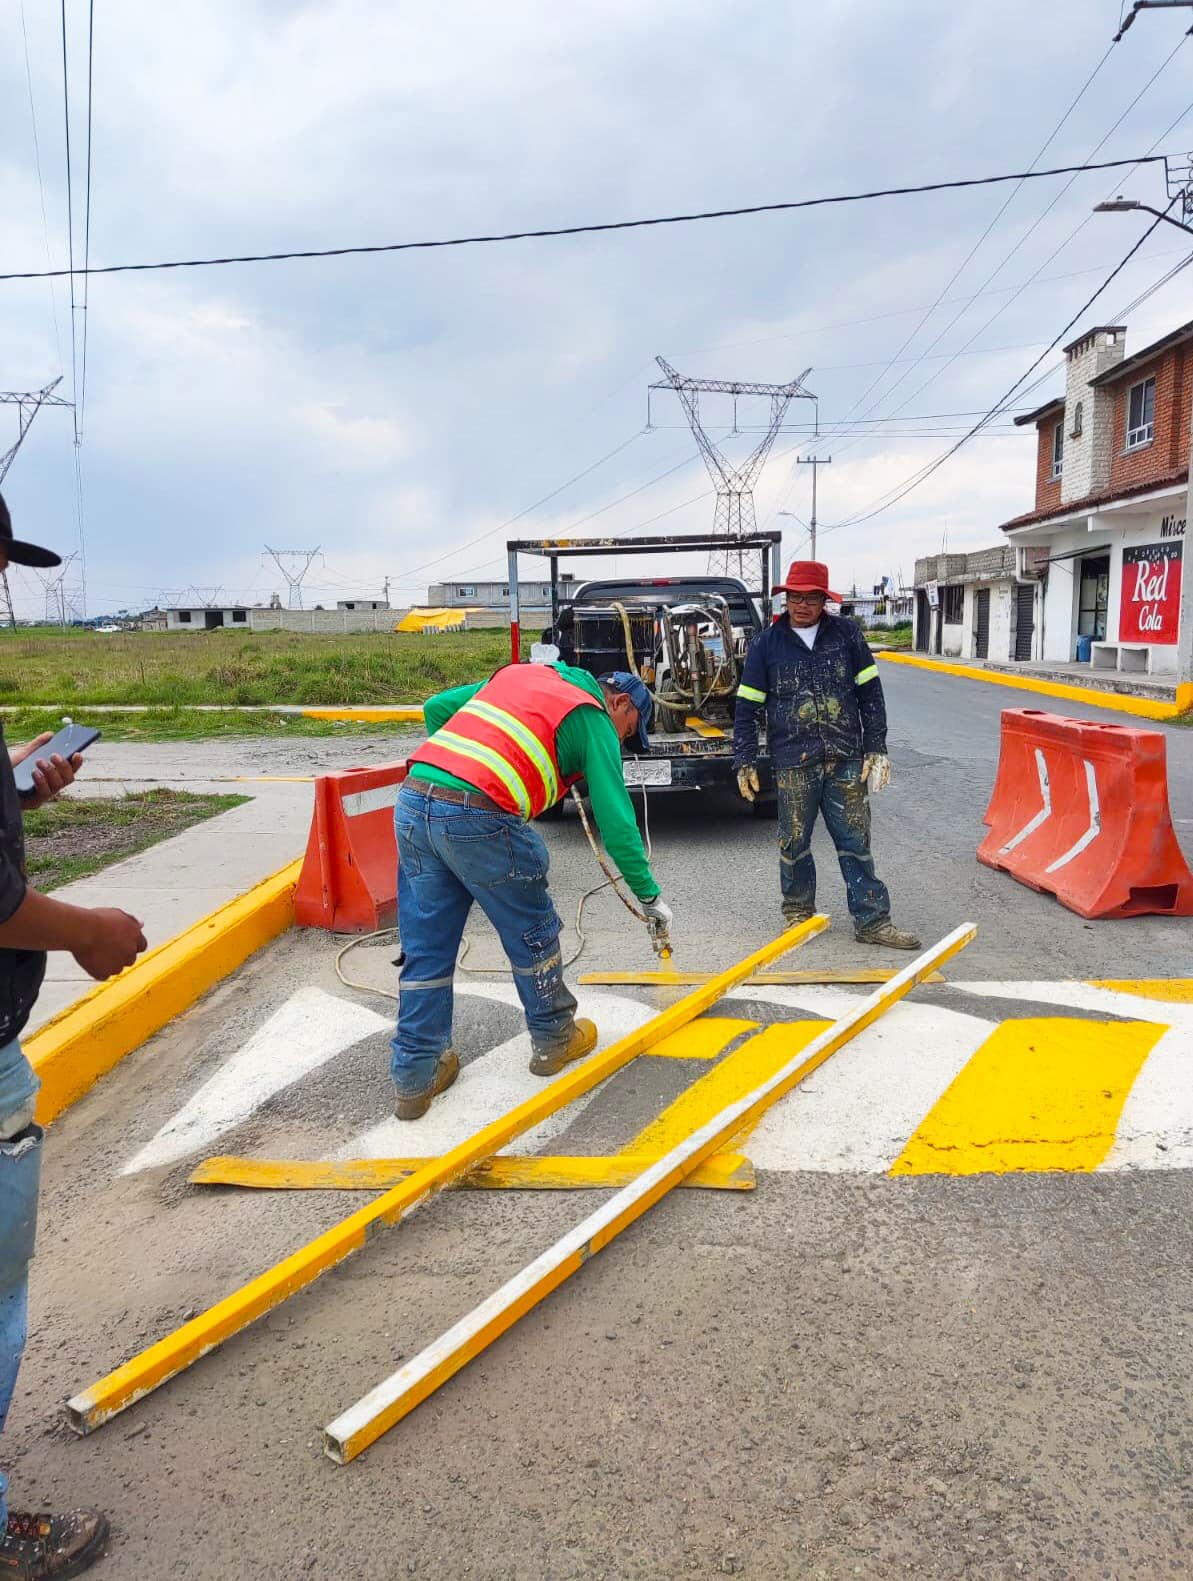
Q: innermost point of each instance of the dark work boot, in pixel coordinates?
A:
(51, 1547)
(413, 1105)
(582, 1041)
(886, 933)
(794, 915)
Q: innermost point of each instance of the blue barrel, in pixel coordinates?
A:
(1084, 646)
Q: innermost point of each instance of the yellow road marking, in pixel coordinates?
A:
(703, 1039)
(669, 979)
(1038, 1095)
(84, 1041)
(721, 1172)
(152, 1367)
(737, 1073)
(1172, 990)
(412, 715)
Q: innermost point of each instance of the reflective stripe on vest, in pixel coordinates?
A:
(503, 739)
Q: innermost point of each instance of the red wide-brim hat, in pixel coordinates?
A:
(807, 576)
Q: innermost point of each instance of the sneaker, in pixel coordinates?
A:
(41, 1547)
(886, 933)
(582, 1041)
(413, 1105)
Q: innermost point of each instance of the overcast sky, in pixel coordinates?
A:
(392, 409)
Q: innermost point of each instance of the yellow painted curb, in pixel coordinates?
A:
(84, 1041)
(1144, 707)
(721, 1172)
(372, 716)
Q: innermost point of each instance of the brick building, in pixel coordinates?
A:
(1106, 535)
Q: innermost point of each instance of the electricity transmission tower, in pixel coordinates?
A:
(294, 565)
(734, 484)
(208, 597)
(28, 403)
(60, 607)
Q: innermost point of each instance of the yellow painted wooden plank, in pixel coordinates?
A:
(703, 1039)
(507, 1172)
(747, 1067)
(1171, 990)
(159, 1362)
(675, 979)
(399, 1394)
(397, 715)
(1038, 1095)
(703, 728)
(83, 1042)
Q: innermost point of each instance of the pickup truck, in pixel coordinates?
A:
(686, 637)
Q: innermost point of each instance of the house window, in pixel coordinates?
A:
(240, 617)
(505, 592)
(1141, 414)
(953, 605)
(1058, 450)
(184, 617)
(466, 592)
(1078, 420)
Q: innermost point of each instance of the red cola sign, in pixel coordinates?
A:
(1151, 599)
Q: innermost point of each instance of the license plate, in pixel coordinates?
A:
(647, 771)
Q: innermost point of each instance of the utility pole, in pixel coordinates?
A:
(815, 462)
(294, 565)
(28, 403)
(734, 485)
(1180, 190)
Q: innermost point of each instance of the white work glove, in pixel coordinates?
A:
(657, 910)
(747, 781)
(876, 770)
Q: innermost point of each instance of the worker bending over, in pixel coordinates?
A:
(814, 677)
(499, 754)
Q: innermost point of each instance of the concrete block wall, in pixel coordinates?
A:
(327, 621)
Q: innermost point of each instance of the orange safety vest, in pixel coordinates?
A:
(503, 739)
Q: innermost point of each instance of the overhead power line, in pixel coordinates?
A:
(926, 472)
(591, 228)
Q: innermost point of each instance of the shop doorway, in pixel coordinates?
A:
(1093, 597)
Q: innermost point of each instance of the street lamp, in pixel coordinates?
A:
(1184, 651)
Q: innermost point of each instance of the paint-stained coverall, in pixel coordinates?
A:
(824, 712)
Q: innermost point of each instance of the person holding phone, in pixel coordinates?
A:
(104, 941)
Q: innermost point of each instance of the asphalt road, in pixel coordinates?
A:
(842, 1373)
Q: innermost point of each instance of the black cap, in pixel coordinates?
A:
(20, 553)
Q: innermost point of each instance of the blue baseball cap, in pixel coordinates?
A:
(635, 690)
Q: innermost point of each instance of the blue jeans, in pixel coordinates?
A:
(836, 790)
(449, 856)
(20, 1179)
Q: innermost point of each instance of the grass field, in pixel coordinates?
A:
(77, 836)
(66, 670)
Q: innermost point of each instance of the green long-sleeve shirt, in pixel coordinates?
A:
(586, 743)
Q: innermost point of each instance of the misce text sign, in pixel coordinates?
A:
(1151, 596)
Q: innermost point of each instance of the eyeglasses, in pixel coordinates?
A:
(806, 598)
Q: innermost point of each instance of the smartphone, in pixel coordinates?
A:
(69, 740)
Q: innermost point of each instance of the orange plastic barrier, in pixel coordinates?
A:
(1080, 810)
(349, 880)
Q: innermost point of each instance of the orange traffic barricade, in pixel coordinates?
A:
(1080, 810)
(349, 881)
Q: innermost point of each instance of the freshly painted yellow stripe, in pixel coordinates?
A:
(868, 674)
(703, 728)
(522, 737)
(666, 979)
(703, 1039)
(1144, 707)
(84, 1041)
(380, 716)
(1171, 990)
(1038, 1095)
(747, 1067)
(491, 760)
(159, 1362)
(751, 694)
(509, 1172)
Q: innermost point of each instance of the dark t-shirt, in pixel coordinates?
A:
(21, 971)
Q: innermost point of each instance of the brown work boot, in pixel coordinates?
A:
(582, 1041)
(51, 1547)
(885, 932)
(413, 1105)
(794, 915)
